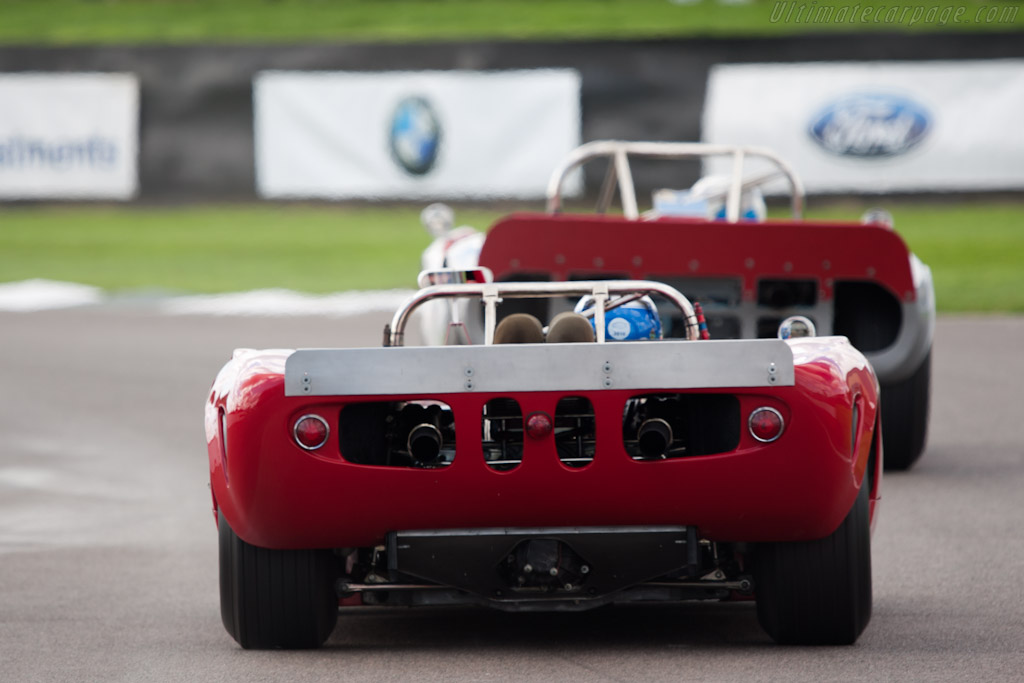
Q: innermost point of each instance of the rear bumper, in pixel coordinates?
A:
(277, 495)
(537, 565)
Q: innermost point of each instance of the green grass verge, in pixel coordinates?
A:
(67, 22)
(214, 249)
(976, 250)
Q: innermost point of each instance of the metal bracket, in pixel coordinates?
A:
(489, 294)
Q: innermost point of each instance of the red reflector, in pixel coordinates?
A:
(311, 432)
(538, 425)
(766, 424)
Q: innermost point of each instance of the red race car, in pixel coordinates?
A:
(561, 463)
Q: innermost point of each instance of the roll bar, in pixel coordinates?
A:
(619, 173)
(493, 292)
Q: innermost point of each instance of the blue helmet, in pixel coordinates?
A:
(636, 320)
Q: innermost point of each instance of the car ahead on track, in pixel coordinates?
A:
(548, 466)
(712, 243)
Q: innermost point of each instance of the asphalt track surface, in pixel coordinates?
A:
(108, 550)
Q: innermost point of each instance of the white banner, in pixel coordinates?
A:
(413, 135)
(877, 126)
(68, 136)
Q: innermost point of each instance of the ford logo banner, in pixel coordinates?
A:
(415, 135)
(871, 125)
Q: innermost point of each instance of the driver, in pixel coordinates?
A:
(635, 320)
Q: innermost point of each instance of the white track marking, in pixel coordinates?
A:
(41, 295)
(283, 302)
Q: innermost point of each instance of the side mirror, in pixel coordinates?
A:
(878, 216)
(797, 326)
(438, 219)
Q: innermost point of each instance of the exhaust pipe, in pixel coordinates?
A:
(424, 443)
(654, 437)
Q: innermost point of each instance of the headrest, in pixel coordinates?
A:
(519, 328)
(570, 327)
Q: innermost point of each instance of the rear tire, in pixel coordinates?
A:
(275, 598)
(905, 407)
(818, 592)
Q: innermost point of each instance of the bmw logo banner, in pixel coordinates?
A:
(876, 126)
(413, 135)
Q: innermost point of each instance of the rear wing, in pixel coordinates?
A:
(635, 365)
(573, 246)
(619, 173)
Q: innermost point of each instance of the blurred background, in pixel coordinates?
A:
(155, 147)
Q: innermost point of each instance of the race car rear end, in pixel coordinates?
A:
(546, 475)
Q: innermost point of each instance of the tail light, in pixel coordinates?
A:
(311, 432)
(766, 424)
(538, 425)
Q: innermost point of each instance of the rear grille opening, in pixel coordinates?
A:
(723, 327)
(868, 314)
(787, 293)
(664, 426)
(719, 326)
(768, 328)
(582, 275)
(575, 431)
(725, 292)
(418, 434)
(502, 434)
(713, 294)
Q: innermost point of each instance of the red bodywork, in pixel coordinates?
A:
(584, 245)
(275, 494)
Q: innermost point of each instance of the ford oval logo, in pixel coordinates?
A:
(871, 126)
(415, 136)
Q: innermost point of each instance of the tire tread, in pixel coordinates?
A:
(905, 408)
(275, 598)
(818, 592)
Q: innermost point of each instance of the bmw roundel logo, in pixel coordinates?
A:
(870, 125)
(415, 135)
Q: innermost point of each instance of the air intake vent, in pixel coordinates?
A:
(398, 434)
(664, 426)
(575, 431)
(502, 434)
